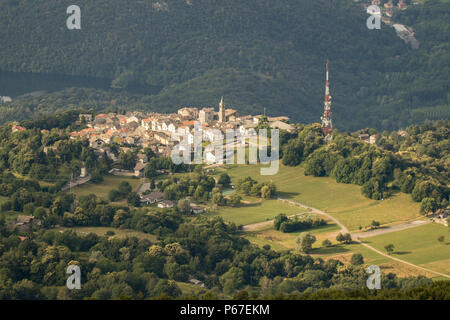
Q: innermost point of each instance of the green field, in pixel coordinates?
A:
(257, 211)
(419, 245)
(101, 190)
(283, 241)
(344, 201)
(119, 233)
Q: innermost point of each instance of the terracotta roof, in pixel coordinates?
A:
(18, 128)
(188, 123)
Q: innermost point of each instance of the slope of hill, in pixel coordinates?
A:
(256, 53)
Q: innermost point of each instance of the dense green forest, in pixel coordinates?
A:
(255, 53)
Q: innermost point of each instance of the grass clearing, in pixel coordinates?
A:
(344, 201)
(419, 246)
(102, 189)
(284, 241)
(120, 233)
(257, 211)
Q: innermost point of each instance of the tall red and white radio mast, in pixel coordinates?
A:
(327, 124)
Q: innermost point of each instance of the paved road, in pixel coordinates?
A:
(355, 236)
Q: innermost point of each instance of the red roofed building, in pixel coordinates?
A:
(17, 128)
(147, 123)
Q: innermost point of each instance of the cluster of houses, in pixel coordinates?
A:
(372, 139)
(160, 132)
(5, 99)
(387, 8)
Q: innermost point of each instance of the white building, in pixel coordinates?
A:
(5, 99)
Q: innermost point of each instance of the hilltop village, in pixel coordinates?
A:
(157, 131)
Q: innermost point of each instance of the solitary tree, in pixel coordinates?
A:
(133, 199)
(326, 243)
(389, 248)
(125, 188)
(224, 179)
(305, 242)
(234, 200)
(357, 259)
(375, 224)
(184, 206)
(441, 239)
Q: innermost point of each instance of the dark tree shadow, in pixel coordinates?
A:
(287, 195)
(330, 250)
(401, 252)
(253, 204)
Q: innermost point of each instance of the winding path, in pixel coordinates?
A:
(356, 236)
(389, 229)
(314, 210)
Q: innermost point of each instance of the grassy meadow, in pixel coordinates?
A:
(419, 245)
(119, 233)
(344, 201)
(101, 190)
(256, 211)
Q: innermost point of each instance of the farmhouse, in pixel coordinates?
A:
(151, 198)
(139, 169)
(166, 204)
(196, 209)
(24, 223)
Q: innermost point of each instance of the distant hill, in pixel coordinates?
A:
(256, 53)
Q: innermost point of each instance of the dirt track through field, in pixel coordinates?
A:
(355, 236)
(389, 229)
